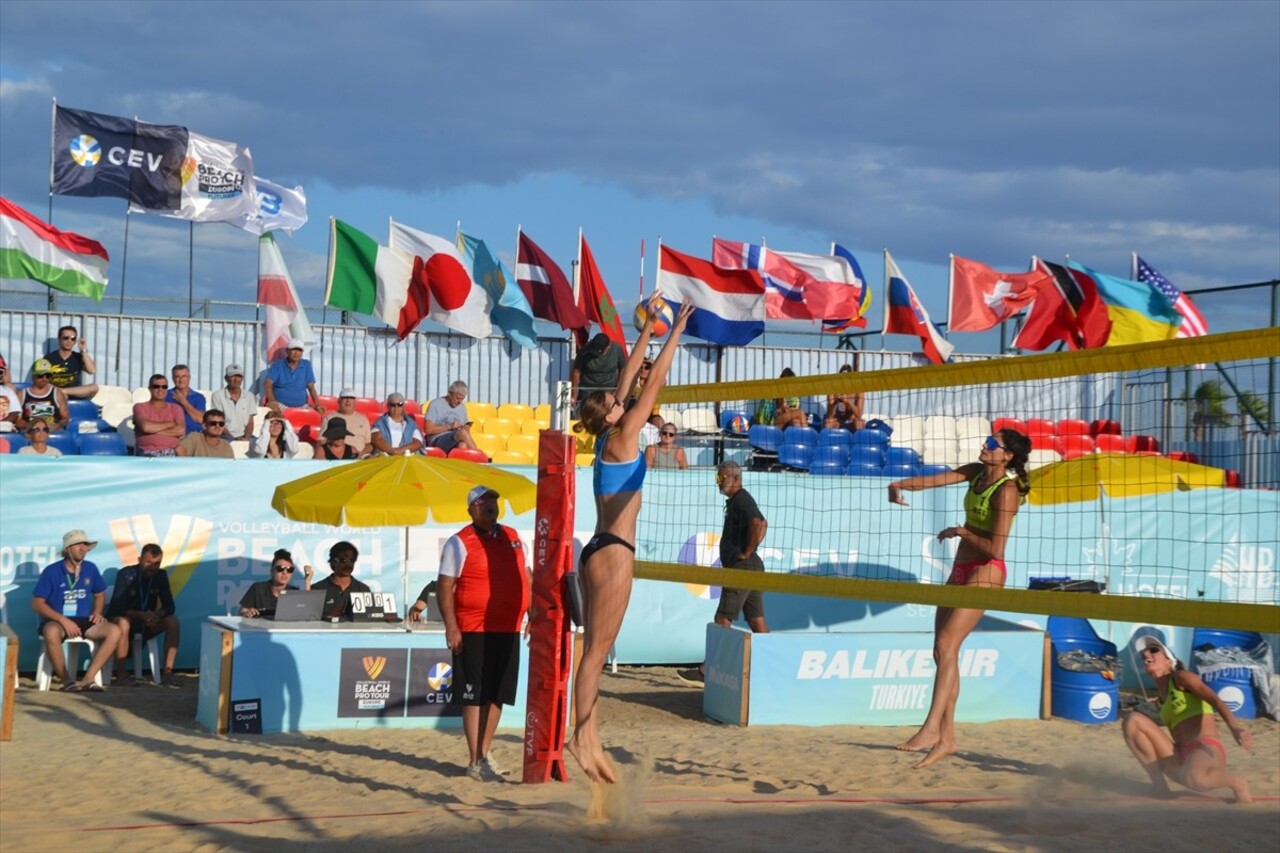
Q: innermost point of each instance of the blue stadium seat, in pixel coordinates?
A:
(103, 444)
(835, 436)
(102, 426)
(928, 470)
(796, 455)
(82, 410)
(65, 442)
(902, 456)
(807, 436)
(765, 437)
(867, 454)
(827, 470)
(832, 456)
(16, 440)
(870, 436)
(863, 469)
(899, 472)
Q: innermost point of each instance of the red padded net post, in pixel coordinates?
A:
(550, 632)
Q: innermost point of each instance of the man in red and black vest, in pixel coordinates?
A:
(484, 596)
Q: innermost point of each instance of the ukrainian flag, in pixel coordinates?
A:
(1139, 313)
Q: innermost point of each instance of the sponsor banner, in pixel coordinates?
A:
(724, 689)
(371, 682)
(432, 692)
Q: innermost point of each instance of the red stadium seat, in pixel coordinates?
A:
(1040, 426)
(1185, 456)
(329, 402)
(434, 451)
(1072, 426)
(468, 454)
(1141, 444)
(1104, 426)
(1071, 446)
(1232, 480)
(411, 407)
(370, 408)
(1044, 442)
(301, 416)
(1106, 442)
(1008, 423)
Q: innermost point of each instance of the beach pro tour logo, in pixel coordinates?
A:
(184, 543)
(431, 690)
(85, 150)
(373, 666)
(371, 682)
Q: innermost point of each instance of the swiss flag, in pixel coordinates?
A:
(441, 279)
(982, 297)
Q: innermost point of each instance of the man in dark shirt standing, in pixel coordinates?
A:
(339, 585)
(744, 529)
(596, 367)
(142, 602)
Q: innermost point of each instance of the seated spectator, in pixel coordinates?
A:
(340, 584)
(358, 431)
(237, 404)
(291, 382)
(38, 435)
(142, 601)
(157, 423)
(276, 441)
(395, 432)
(70, 598)
(10, 404)
(666, 453)
(334, 441)
(445, 421)
(259, 600)
(207, 444)
(69, 364)
(43, 399)
(191, 402)
(782, 412)
(844, 410)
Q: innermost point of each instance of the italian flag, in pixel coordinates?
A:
(35, 250)
(371, 279)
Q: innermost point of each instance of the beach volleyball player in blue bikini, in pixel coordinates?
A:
(608, 560)
(997, 486)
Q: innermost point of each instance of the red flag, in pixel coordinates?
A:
(545, 286)
(594, 299)
(982, 298)
(1068, 310)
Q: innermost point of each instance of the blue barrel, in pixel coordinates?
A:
(1086, 697)
(1235, 688)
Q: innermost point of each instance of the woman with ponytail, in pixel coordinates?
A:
(998, 484)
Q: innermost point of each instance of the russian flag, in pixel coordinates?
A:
(728, 304)
(784, 282)
(904, 315)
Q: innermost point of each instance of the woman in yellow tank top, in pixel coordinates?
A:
(1189, 751)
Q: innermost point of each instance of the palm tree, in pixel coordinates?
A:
(1254, 410)
(1209, 408)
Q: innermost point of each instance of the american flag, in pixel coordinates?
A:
(1193, 323)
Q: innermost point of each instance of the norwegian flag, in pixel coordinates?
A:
(1193, 324)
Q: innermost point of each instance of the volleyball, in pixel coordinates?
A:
(739, 425)
(659, 306)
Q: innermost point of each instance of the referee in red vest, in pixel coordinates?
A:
(484, 596)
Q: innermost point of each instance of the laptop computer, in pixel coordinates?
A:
(300, 605)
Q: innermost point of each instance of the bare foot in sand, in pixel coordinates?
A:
(591, 758)
(921, 741)
(1241, 789)
(940, 751)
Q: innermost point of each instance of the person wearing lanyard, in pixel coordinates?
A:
(69, 598)
(141, 601)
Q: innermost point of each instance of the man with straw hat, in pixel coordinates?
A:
(70, 598)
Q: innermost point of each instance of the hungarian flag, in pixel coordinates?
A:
(594, 299)
(440, 272)
(544, 284)
(371, 279)
(33, 249)
(1066, 309)
(982, 298)
(285, 318)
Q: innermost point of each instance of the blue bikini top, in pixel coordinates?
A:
(610, 478)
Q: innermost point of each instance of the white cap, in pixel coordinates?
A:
(1143, 641)
(479, 493)
(233, 370)
(77, 537)
(347, 392)
(295, 343)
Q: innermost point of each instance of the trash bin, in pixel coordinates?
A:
(1084, 678)
(1233, 684)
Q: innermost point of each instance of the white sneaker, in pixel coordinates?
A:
(473, 772)
(488, 765)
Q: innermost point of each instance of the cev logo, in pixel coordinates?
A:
(85, 150)
(1232, 697)
(184, 543)
(701, 549)
(373, 666)
(440, 676)
(1100, 706)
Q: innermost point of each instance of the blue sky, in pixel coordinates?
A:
(991, 130)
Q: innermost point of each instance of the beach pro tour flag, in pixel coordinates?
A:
(544, 284)
(453, 298)
(783, 281)
(278, 209)
(371, 279)
(728, 304)
(33, 249)
(904, 315)
(217, 182)
(511, 312)
(1066, 310)
(285, 317)
(982, 298)
(1193, 323)
(102, 155)
(1139, 313)
(594, 298)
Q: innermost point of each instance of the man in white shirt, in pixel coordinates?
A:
(359, 433)
(236, 404)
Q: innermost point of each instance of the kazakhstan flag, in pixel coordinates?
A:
(1139, 313)
(511, 312)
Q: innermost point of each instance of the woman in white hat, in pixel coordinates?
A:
(1189, 751)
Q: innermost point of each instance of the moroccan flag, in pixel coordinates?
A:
(33, 249)
(544, 284)
(904, 314)
(1066, 310)
(439, 271)
(594, 298)
(982, 298)
(285, 317)
(101, 155)
(371, 279)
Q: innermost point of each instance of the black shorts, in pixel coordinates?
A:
(748, 602)
(486, 670)
(82, 622)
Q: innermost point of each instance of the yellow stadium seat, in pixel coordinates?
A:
(542, 412)
(489, 444)
(480, 411)
(500, 426)
(521, 443)
(515, 411)
(512, 457)
(586, 460)
(533, 426)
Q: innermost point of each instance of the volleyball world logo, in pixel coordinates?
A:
(85, 150)
(440, 676)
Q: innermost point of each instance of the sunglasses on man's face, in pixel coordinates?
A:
(215, 423)
(395, 405)
(159, 387)
(342, 561)
(44, 376)
(67, 338)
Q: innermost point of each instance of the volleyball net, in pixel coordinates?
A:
(1155, 474)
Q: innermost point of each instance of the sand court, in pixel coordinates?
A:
(129, 769)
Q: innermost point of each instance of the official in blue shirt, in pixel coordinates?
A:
(69, 599)
(290, 382)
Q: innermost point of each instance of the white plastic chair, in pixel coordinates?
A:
(908, 431)
(940, 426)
(71, 651)
(152, 648)
(701, 420)
(672, 416)
(1042, 457)
(972, 431)
(942, 451)
(305, 451)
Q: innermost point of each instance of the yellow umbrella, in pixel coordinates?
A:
(1120, 475)
(397, 491)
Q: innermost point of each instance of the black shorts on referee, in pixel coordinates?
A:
(486, 670)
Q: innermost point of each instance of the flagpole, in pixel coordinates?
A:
(884, 324)
(51, 297)
(191, 269)
(124, 270)
(577, 281)
(951, 287)
(642, 269)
